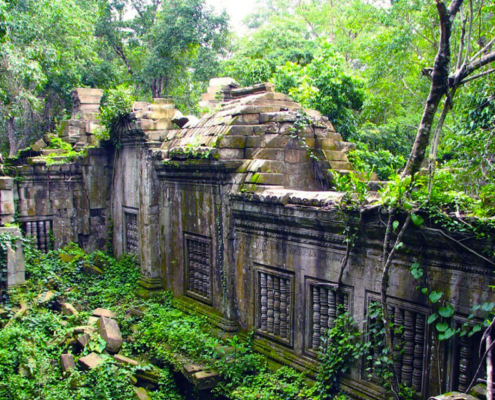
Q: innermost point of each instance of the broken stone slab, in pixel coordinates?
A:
(46, 297)
(68, 309)
(93, 321)
(90, 361)
(102, 312)
(83, 340)
(67, 362)
(37, 146)
(84, 329)
(205, 379)
(123, 360)
(141, 393)
(110, 332)
(190, 369)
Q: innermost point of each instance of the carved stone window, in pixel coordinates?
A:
(408, 338)
(274, 303)
(325, 305)
(198, 267)
(466, 359)
(131, 233)
(41, 232)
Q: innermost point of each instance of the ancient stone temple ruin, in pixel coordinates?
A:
(235, 214)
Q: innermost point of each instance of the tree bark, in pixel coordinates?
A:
(11, 137)
(439, 87)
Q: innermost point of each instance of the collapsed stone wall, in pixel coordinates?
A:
(227, 212)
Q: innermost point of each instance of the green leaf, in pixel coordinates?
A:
(424, 290)
(487, 307)
(407, 206)
(395, 225)
(435, 296)
(417, 219)
(475, 329)
(432, 318)
(442, 326)
(417, 273)
(446, 311)
(447, 335)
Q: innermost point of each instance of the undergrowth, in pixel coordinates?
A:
(34, 335)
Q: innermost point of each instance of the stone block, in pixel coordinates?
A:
(84, 329)
(247, 119)
(327, 144)
(102, 312)
(269, 154)
(342, 165)
(93, 321)
(141, 393)
(335, 155)
(46, 297)
(232, 142)
(231, 154)
(278, 142)
(6, 183)
(110, 332)
(123, 360)
(253, 141)
(296, 156)
(151, 125)
(91, 361)
(67, 362)
(83, 339)
(240, 130)
(37, 146)
(205, 379)
(269, 179)
(68, 309)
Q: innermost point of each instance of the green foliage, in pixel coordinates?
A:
(58, 143)
(324, 85)
(354, 188)
(116, 106)
(341, 346)
(383, 162)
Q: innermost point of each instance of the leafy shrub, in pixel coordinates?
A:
(383, 162)
(116, 105)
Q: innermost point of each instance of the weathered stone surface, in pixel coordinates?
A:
(83, 339)
(91, 361)
(40, 144)
(68, 309)
(102, 312)
(141, 393)
(67, 362)
(205, 379)
(110, 332)
(93, 321)
(84, 329)
(46, 297)
(123, 360)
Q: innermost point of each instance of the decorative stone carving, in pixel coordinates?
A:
(40, 231)
(325, 306)
(131, 233)
(198, 266)
(274, 305)
(408, 346)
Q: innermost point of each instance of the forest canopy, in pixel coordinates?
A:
(369, 66)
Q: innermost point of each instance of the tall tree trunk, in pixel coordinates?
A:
(11, 137)
(157, 87)
(439, 87)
